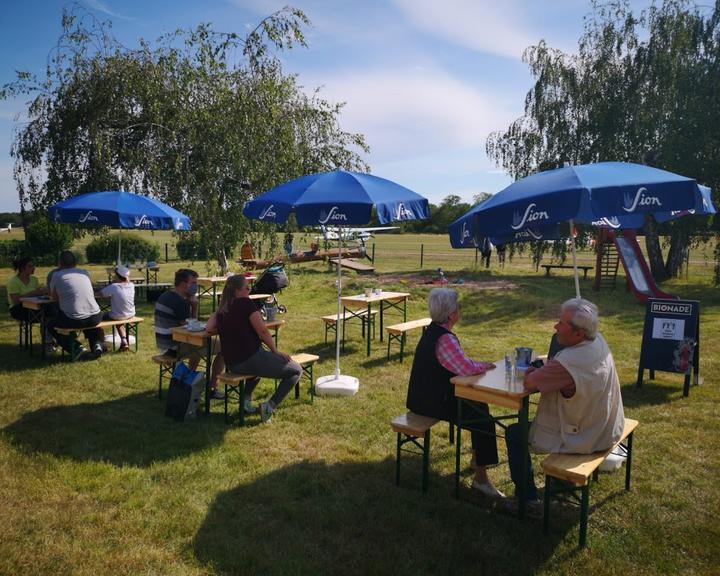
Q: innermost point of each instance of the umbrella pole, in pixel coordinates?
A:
(119, 259)
(339, 296)
(574, 258)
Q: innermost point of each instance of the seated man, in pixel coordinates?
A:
(77, 308)
(580, 409)
(439, 357)
(172, 309)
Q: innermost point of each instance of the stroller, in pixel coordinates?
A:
(270, 282)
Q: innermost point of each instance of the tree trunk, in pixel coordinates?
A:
(678, 250)
(652, 244)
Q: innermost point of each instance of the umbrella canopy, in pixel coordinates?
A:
(620, 193)
(118, 210)
(588, 193)
(338, 199)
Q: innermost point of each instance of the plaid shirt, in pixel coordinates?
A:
(450, 354)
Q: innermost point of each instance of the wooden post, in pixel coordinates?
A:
(373, 254)
(422, 254)
(166, 253)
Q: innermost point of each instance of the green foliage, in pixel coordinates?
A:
(104, 250)
(641, 88)
(200, 119)
(189, 247)
(46, 239)
(11, 249)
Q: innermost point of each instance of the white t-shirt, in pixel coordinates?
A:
(122, 299)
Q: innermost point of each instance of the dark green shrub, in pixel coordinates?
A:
(190, 247)
(46, 239)
(11, 249)
(103, 250)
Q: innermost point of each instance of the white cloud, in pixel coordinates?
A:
(101, 6)
(411, 112)
(480, 25)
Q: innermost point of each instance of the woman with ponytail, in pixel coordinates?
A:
(242, 333)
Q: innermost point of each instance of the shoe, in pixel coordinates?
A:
(487, 489)
(124, 347)
(248, 406)
(50, 350)
(215, 394)
(265, 412)
(97, 350)
(79, 351)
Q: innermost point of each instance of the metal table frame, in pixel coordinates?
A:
(387, 300)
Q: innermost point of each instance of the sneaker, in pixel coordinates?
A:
(97, 349)
(265, 411)
(248, 406)
(487, 488)
(50, 349)
(215, 394)
(124, 347)
(78, 353)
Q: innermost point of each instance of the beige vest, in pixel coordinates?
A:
(593, 419)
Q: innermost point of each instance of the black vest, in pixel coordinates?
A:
(430, 392)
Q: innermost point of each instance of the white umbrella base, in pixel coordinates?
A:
(340, 385)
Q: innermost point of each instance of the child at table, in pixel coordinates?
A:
(122, 301)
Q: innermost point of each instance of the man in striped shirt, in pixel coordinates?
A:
(173, 309)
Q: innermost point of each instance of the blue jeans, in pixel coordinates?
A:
(513, 441)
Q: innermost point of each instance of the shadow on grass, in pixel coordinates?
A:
(653, 393)
(350, 518)
(128, 431)
(17, 359)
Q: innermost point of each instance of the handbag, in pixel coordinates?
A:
(184, 393)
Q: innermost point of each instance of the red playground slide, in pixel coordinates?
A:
(640, 280)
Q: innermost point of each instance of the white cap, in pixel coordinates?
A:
(123, 272)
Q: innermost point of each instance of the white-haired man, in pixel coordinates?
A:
(580, 409)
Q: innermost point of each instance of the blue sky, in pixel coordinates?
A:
(425, 81)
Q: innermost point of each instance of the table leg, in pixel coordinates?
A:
(457, 448)
(524, 431)
(369, 316)
(208, 364)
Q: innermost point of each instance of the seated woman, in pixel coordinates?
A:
(439, 357)
(22, 285)
(242, 333)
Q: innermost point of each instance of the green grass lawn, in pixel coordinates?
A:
(95, 480)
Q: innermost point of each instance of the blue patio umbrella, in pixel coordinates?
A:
(338, 199)
(589, 193)
(118, 209)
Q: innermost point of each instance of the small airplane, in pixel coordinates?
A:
(361, 234)
(7, 228)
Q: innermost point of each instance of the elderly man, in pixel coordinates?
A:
(77, 308)
(580, 409)
(439, 357)
(173, 309)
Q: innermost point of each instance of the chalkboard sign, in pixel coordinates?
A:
(671, 339)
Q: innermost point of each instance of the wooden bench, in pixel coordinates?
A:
(235, 383)
(410, 427)
(358, 267)
(331, 320)
(585, 269)
(570, 473)
(398, 332)
(167, 365)
(131, 328)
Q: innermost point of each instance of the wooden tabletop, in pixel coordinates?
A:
(491, 387)
(363, 300)
(210, 280)
(35, 302)
(198, 337)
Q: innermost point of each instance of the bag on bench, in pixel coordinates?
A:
(184, 393)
